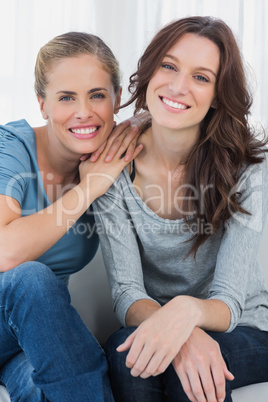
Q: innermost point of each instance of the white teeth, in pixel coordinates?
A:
(84, 130)
(174, 104)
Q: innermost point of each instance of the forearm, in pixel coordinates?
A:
(214, 315)
(27, 238)
(140, 311)
(210, 315)
(162, 331)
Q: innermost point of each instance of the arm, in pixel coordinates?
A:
(235, 260)
(21, 238)
(173, 323)
(198, 361)
(120, 250)
(203, 311)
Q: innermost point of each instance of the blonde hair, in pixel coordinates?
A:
(73, 44)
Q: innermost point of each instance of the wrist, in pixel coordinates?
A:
(214, 315)
(192, 308)
(87, 190)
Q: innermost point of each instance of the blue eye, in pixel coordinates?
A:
(98, 96)
(201, 78)
(65, 98)
(167, 66)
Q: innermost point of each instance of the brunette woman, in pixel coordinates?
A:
(187, 222)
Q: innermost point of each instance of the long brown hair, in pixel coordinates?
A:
(226, 141)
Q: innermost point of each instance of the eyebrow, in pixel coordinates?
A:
(89, 92)
(199, 67)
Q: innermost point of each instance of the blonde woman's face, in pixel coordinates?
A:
(79, 105)
(182, 90)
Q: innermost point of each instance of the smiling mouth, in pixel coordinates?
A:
(174, 105)
(84, 130)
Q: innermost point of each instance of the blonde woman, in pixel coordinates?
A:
(47, 184)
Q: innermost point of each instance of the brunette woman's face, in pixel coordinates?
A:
(182, 90)
(79, 104)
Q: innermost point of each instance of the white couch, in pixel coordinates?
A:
(91, 297)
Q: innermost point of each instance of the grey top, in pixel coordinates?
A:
(144, 253)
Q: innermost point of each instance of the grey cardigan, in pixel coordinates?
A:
(144, 253)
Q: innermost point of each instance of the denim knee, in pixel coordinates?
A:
(125, 387)
(16, 375)
(32, 277)
(118, 337)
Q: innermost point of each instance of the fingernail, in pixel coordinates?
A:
(108, 159)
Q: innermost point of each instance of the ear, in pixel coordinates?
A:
(41, 102)
(117, 101)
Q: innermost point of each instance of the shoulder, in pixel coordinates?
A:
(255, 174)
(252, 191)
(122, 181)
(17, 128)
(18, 132)
(17, 142)
(116, 195)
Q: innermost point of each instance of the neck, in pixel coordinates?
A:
(51, 160)
(169, 148)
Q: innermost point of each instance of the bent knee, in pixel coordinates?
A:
(29, 276)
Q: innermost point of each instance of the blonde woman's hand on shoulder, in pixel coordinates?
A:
(98, 172)
(127, 133)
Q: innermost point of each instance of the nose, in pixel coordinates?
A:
(83, 111)
(180, 84)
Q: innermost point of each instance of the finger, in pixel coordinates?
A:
(121, 143)
(152, 368)
(182, 374)
(196, 386)
(219, 383)
(185, 383)
(127, 344)
(220, 373)
(118, 130)
(95, 155)
(134, 354)
(143, 358)
(228, 375)
(163, 364)
(85, 157)
(135, 153)
(209, 385)
(131, 148)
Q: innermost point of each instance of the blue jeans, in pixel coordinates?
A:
(245, 351)
(46, 351)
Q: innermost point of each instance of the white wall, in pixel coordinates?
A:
(127, 26)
